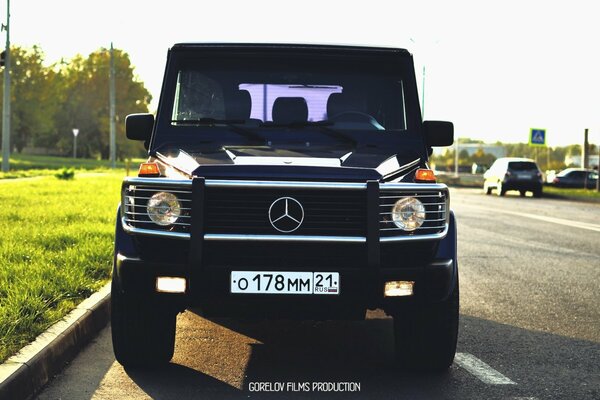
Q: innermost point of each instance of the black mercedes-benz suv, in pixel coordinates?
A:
(286, 181)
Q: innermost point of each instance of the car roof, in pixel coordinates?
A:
(515, 159)
(567, 170)
(291, 46)
(506, 160)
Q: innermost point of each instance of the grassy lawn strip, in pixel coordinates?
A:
(581, 194)
(33, 173)
(27, 166)
(56, 240)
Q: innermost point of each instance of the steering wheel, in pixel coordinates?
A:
(364, 117)
(351, 113)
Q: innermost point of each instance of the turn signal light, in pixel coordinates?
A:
(424, 175)
(398, 288)
(149, 169)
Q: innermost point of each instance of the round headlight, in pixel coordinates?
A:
(164, 208)
(408, 213)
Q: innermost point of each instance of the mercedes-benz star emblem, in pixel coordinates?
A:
(286, 214)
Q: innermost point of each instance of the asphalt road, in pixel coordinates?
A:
(529, 328)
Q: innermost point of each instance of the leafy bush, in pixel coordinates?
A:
(65, 174)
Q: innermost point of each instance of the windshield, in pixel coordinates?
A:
(273, 91)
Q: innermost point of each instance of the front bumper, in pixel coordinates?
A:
(359, 289)
(516, 184)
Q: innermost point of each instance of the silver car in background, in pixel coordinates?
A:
(511, 173)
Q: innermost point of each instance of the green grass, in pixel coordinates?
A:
(27, 166)
(56, 239)
(578, 194)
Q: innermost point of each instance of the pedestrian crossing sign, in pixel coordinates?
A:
(537, 137)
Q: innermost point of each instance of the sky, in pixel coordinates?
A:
(495, 69)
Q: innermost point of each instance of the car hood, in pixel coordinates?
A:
(293, 163)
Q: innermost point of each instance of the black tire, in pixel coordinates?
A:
(143, 332)
(522, 192)
(487, 190)
(538, 193)
(426, 335)
(501, 191)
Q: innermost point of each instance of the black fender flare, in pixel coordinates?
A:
(447, 250)
(124, 244)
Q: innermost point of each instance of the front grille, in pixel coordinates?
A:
(327, 212)
(436, 209)
(135, 207)
(240, 210)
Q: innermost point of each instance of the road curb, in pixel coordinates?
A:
(25, 373)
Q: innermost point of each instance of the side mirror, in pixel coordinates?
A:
(139, 126)
(438, 133)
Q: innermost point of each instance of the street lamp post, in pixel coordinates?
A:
(456, 157)
(75, 133)
(6, 101)
(112, 107)
(423, 96)
(598, 169)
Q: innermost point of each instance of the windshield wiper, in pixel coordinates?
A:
(324, 126)
(230, 123)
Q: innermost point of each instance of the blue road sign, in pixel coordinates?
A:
(537, 137)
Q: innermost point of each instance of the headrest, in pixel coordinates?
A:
(240, 105)
(287, 110)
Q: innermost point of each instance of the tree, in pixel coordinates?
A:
(33, 102)
(48, 102)
(482, 158)
(86, 102)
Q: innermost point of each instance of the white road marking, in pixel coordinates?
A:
(523, 398)
(538, 246)
(559, 221)
(481, 370)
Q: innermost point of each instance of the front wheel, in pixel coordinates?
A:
(500, 189)
(143, 331)
(426, 335)
(487, 189)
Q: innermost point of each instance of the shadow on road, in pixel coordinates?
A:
(337, 352)
(541, 364)
(176, 381)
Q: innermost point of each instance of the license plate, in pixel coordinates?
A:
(277, 282)
(523, 176)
